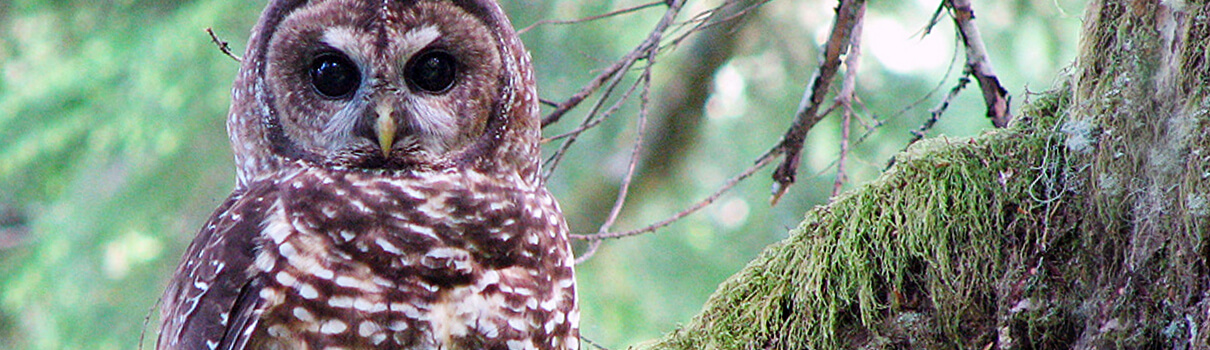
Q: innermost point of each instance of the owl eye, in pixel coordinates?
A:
(334, 76)
(431, 71)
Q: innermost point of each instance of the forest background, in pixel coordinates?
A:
(113, 149)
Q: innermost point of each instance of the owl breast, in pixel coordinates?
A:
(450, 260)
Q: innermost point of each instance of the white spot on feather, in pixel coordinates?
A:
(276, 226)
(303, 315)
(421, 230)
(287, 250)
(387, 246)
(350, 282)
(333, 327)
(408, 310)
(286, 279)
(367, 328)
(306, 290)
(340, 301)
(398, 326)
(360, 205)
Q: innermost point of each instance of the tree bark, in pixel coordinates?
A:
(1083, 225)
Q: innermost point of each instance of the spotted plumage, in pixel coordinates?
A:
(387, 191)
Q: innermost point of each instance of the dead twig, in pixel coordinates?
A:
(845, 99)
(648, 48)
(936, 112)
(806, 117)
(222, 45)
(711, 18)
(147, 321)
(591, 18)
(594, 344)
(760, 163)
(994, 95)
(597, 118)
(624, 188)
(652, 42)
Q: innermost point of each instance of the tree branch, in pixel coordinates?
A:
(222, 45)
(994, 95)
(791, 144)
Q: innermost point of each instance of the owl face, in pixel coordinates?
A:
(392, 84)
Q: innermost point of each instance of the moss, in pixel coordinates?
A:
(1083, 225)
(910, 260)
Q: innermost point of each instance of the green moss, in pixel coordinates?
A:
(912, 258)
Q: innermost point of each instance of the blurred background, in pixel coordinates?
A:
(113, 150)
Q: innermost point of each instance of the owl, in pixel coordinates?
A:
(387, 192)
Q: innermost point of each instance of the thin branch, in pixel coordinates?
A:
(590, 18)
(593, 246)
(841, 175)
(590, 121)
(649, 48)
(147, 320)
(935, 18)
(994, 95)
(222, 45)
(597, 118)
(845, 99)
(706, 20)
(936, 112)
(791, 144)
(594, 344)
(764, 160)
(624, 188)
(621, 65)
(634, 153)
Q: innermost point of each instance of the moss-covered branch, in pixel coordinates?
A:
(1083, 225)
(924, 243)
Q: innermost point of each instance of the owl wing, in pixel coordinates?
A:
(212, 301)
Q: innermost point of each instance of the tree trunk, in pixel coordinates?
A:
(1082, 225)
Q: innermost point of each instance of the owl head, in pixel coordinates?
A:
(387, 86)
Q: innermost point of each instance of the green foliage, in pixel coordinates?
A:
(111, 141)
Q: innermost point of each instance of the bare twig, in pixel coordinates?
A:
(593, 118)
(222, 45)
(147, 320)
(845, 99)
(621, 65)
(711, 18)
(760, 163)
(994, 95)
(935, 18)
(591, 18)
(594, 344)
(596, 118)
(624, 188)
(791, 144)
(648, 48)
(841, 175)
(936, 112)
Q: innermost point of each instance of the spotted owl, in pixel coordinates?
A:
(387, 192)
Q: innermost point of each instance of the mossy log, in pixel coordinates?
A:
(1083, 225)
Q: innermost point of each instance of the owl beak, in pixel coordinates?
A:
(385, 126)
